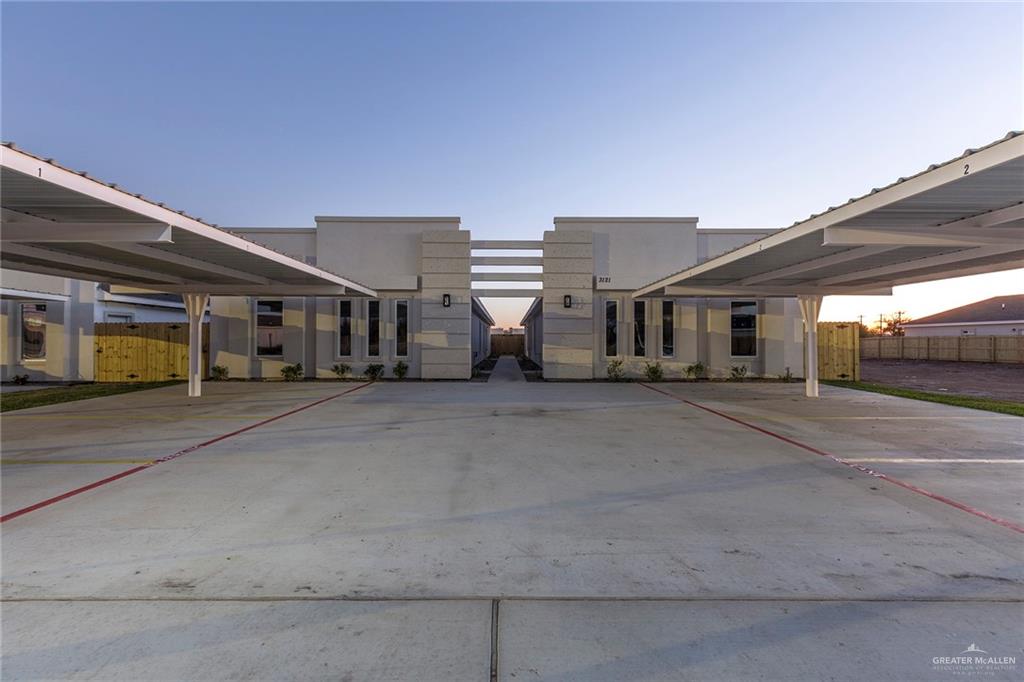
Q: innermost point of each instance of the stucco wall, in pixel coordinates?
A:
(445, 332)
(297, 242)
(568, 332)
(630, 252)
(382, 253)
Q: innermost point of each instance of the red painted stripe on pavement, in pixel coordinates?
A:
(859, 467)
(168, 458)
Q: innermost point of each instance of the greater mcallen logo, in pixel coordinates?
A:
(974, 661)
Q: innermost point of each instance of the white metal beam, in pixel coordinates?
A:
(188, 261)
(909, 267)
(63, 258)
(816, 263)
(994, 218)
(19, 227)
(959, 270)
(8, 264)
(930, 236)
(772, 292)
(129, 287)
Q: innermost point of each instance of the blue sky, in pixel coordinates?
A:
(510, 114)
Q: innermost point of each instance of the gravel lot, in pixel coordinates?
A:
(990, 380)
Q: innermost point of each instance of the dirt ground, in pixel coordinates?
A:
(1004, 382)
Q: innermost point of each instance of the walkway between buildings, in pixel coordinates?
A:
(507, 370)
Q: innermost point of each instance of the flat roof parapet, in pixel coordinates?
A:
(386, 219)
(625, 219)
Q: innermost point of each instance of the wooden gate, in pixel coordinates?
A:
(839, 350)
(147, 351)
(508, 344)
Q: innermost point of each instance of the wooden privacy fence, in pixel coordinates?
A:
(964, 348)
(147, 351)
(839, 350)
(508, 344)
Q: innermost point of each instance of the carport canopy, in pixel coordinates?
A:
(961, 217)
(56, 221)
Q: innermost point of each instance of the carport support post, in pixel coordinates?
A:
(810, 306)
(195, 307)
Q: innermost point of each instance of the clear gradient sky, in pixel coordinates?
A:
(747, 115)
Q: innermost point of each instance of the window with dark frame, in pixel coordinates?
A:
(744, 329)
(401, 329)
(373, 328)
(668, 330)
(611, 328)
(640, 328)
(269, 328)
(33, 331)
(344, 329)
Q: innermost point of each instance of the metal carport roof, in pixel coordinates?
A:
(961, 217)
(61, 222)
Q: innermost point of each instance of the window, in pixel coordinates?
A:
(640, 328)
(744, 329)
(119, 318)
(33, 331)
(668, 329)
(373, 328)
(344, 328)
(401, 329)
(269, 328)
(611, 330)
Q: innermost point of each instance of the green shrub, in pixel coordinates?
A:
(218, 373)
(695, 371)
(341, 369)
(374, 371)
(20, 379)
(737, 372)
(788, 376)
(293, 372)
(615, 370)
(653, 371)
(400, 369)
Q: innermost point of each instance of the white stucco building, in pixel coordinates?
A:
(599, 262)
(427, 312)
(417, 264)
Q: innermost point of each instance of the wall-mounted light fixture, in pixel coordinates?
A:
(567, 301)
(446, 300)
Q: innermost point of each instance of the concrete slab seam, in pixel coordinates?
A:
(167, 458)
(859, 467)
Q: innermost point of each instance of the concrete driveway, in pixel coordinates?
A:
(451, 531)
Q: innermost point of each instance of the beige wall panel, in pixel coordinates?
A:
(446, 250)
(568, 266)
(553, 281)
